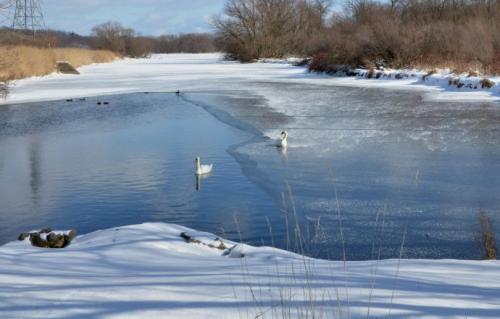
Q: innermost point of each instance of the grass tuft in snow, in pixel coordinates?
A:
(216, 243)
(429, 74)
(487, 237)
(4, 90)
(487, 83)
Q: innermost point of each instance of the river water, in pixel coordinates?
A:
(370, 173)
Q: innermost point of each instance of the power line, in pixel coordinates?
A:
(5, 8)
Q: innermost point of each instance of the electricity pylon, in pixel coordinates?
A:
(28, 15)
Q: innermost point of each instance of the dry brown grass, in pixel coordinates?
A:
(17, 62)
(487, 83)
(473, 74)
(487, 237)
(430, 73)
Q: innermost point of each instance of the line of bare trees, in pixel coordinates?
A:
(461, 34)
(188, 43)
(114, 37)
(117, 38)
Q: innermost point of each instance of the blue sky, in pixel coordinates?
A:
(149, 17)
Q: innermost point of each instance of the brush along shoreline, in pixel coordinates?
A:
(158, 270)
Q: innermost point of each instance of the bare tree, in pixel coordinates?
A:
(117, 38)
(110, 36)
(271, 28)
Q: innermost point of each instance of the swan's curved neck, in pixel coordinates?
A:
(198, 165)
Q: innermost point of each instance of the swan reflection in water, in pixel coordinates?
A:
(282, 146)
(199, 178)
(283, 152)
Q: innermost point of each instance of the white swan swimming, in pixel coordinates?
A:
(202, 169)
(283, 143)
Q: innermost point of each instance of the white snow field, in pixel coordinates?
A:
(191, 72)
(149, 271)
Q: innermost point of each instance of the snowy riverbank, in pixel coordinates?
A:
(464, 85)
(198, 72)
(469, 86)
(149, 271)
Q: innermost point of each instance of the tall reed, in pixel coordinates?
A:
(17, 62)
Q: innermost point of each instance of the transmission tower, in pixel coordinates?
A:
(28, 15)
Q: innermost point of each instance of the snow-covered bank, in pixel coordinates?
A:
(149, 271)
(471, 86)
(196, 72)
(468, 85)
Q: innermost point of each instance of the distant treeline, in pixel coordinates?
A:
(114, 37)
(460, 34)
